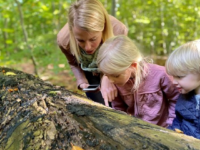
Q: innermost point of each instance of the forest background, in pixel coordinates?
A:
(28, 30)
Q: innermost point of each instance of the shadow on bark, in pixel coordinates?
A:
(38, 115)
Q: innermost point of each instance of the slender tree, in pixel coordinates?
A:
(26, 37)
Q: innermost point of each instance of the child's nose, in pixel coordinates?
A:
(111, 80)
(175, 81)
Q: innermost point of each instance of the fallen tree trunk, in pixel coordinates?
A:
(37, 115)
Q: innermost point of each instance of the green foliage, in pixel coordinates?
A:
(42, 21)
(159, 26)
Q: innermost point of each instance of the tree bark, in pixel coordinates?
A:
(5, 34)
(113, 12)
(38, 115)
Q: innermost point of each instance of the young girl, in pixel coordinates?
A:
(144, 90)
(89, 25)
(184, 65)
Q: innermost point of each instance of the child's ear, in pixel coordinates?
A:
(134, 65)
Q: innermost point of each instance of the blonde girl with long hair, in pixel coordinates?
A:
(144, 89)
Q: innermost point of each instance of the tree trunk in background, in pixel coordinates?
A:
(162, 24)
(26, 37)
(196, 17)
(113, 8)
(5, 35)
(37, 115)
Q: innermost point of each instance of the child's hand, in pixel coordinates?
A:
(108, 90)
(178, 131)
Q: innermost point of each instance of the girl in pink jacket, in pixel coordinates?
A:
(144, 90)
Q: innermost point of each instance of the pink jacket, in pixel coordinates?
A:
(153, 102)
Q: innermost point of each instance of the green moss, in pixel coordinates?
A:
(15, 141)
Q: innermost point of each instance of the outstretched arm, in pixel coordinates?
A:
(108, 90)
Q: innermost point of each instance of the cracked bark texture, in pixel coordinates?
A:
(37, 115)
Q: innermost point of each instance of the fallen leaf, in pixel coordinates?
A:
(10, 90)
(10, 74)
(15, 89)
(179, 131)
(76, 147)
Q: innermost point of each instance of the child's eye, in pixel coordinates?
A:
(94, 39)
(116, 76)
(178, 77)
(81, 41)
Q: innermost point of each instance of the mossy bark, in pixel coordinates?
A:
(37, 115)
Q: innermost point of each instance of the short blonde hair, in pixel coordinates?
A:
(117, 54)
(89, 15)
(185, 59)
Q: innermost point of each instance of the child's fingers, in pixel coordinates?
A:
(106, 102)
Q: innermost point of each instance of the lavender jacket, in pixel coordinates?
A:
(153, 102)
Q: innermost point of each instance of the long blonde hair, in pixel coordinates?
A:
(185, 59)
(89, 15)
(117, 54)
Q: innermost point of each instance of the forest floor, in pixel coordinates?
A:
(64, 78)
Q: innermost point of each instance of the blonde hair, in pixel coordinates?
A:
(89, 15)
(185, 59)
(117, 54)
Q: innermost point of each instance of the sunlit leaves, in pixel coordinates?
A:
(170, 21)
(65, 5)
(9, 42)
(8, 30)
(143, 20)
(118, 13)
(149, 16)
(44, 8)
(56, 12)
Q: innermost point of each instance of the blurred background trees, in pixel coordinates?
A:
(29, 28)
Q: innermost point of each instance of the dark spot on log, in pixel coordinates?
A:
(106, 147)
(92, 142)
(106, 128)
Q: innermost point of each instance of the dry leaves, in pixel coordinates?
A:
(76, 147)
(178, 131)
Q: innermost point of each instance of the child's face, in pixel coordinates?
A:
(187, 83)
(121, 79)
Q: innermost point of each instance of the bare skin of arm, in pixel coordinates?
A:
(108, 90)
